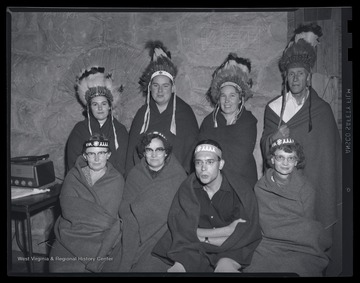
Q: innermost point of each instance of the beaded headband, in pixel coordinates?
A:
(282, 141)
(157, 133)
(208, 148)
(96, 144)
(98, 91)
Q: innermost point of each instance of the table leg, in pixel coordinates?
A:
(17, 235)
(28, 226)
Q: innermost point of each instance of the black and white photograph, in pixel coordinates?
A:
(179, 142)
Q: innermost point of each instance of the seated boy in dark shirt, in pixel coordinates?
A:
(213, 221)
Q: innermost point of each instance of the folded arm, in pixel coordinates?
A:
(217, 236)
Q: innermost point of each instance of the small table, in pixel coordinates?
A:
(30, 205)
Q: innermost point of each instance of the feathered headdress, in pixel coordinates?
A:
(94, 82)
(233, 71)
(160, 64)
(300, 52)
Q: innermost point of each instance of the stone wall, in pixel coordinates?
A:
(49, 49)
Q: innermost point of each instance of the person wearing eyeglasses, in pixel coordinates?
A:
(213, 220)
(89, 227)
(149, 190)
(100, 98)
(294, 241)
(306, 116)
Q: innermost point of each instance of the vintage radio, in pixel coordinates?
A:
(32, 171)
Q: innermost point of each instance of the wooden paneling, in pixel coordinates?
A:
(328, 65)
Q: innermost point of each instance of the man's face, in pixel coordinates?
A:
(297, 79)
(207, 166)
(161, 89)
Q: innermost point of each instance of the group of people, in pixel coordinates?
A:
(170, 196)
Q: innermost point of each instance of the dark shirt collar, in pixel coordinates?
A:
(225, 186)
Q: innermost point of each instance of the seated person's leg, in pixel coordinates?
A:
(226, 264)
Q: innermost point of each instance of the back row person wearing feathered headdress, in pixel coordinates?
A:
(97, 94)
(300, 113)
(164, 111)
(230, 124)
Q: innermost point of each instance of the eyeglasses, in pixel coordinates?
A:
(92, 155)
(158, 151)
(290, 159)
(199, 163)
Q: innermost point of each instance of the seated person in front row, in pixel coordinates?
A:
(149, 190)
(293, 240)
(89, 226)
(213, 221)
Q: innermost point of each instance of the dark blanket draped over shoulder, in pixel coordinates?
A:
(322, 148)
(293, 241)
(80, 134)
(237, 142)
(183, 222)
(187, 130)
(144, 210)
(89, 226)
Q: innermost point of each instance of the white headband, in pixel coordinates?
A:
(163, 73)
(209, 148)
(232, 84)
(282, 141)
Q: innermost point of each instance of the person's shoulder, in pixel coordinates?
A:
(141, 110)
(208, 120)
(80, 125)
(176, 165)
(238, 183)
(136, 171)
(182, 103)
(316, 99)
(249, 115)
(119, 125)
(115, 173)
(275, 100)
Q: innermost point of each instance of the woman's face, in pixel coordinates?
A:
(161, 89)
(284, 162)
(155, 154)
(97, 157)
(100, 108)
(229, 99)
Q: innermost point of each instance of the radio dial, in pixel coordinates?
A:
(16, 182)
(23, 183)
(30, 183)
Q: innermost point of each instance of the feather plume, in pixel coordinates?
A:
(152, 45)
(94, 81)
(234, 70)
(312, 27)
(160, 61)
(299, 54)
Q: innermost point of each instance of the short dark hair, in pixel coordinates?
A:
(146, 140)
(289, 148)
